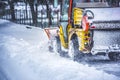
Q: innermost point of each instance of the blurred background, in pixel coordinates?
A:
(39, 13)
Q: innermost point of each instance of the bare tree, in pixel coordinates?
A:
(12, 11)
(48, 13)
(33, 11)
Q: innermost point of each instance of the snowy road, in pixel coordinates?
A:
(24, 56)
(102, 63)
(108, 66)
(2, 75)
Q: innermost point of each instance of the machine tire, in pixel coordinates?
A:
(114, 56)
(73, 51)
(57, 45)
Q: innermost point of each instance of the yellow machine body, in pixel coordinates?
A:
(78, 14)
(83, 36)
(63, 41)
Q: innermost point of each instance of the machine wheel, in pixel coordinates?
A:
(57, 45)
(114, 56)
(73, 51)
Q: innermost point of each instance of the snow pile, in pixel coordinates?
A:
(24, 56)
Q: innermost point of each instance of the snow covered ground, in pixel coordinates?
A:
(24, 56)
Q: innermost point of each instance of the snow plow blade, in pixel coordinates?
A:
(51, 32)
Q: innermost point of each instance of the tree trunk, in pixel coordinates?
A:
(12, 11)
(49, 15)
(26, 10)
(33, 12)
(36, 5)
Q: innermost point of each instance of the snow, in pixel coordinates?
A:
(24, 56)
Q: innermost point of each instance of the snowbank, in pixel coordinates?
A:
(24, 56)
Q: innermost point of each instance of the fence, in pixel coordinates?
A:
(25, 17)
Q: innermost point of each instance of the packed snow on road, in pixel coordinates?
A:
(24, 55)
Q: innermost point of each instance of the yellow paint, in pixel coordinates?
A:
(81, 37)
(78, 13)
(62, 38)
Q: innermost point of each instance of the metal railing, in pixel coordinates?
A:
(25, 17)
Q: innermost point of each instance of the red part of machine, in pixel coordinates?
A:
(85, 23)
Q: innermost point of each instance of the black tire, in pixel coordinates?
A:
(57, 45)
(114, 56)
(74, 52)
(58, 48)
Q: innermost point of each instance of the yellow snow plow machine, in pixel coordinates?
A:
(86, 28)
